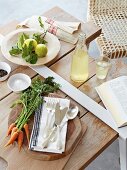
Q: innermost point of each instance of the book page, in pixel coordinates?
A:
(114, 96)
(119, 88)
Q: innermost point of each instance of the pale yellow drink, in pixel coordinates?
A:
(79, 68)
(79, 64)
(102, 68)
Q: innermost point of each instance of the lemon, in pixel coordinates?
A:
(41, 50)
(27, 42)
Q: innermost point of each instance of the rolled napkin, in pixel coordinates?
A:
(65, 31)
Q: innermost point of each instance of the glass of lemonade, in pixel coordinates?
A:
(102, 67)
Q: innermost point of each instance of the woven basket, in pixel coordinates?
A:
(111, 16)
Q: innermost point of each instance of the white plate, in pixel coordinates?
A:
(19, 82)
(10, 40)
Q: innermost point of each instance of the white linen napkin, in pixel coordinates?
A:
(52, 145)
(65, 31)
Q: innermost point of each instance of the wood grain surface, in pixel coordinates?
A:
(98, 136)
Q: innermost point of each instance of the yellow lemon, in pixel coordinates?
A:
(27, 42)
(41, 50)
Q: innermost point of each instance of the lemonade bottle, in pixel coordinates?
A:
(80, 59)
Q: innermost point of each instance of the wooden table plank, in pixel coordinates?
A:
(97, 138)
(89, 88)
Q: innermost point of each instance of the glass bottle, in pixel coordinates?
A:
(80, 59)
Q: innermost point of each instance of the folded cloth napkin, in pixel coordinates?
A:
(65, 31)
(38, 128)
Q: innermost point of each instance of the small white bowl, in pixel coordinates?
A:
(5, 66)
(19, 82)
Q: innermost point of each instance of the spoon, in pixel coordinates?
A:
(71, 113)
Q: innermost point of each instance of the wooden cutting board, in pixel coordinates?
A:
(74, 132)
(22, 160)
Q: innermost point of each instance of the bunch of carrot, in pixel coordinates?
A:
(17, 134)
(30, 100)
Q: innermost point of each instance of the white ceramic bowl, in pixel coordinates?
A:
(11, 39)
(19, 82)
(5, 66)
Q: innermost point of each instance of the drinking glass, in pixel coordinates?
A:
(102, 67)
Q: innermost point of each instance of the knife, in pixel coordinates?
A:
(59, 115)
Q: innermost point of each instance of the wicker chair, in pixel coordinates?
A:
(111, 16)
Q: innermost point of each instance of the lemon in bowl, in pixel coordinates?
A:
(30, 40)
(41, 50)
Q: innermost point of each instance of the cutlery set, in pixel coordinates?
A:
(53, 130)
(50, 125)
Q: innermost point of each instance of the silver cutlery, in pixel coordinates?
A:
(70, 114)
(50, 106)
(50, 135)
(59, 115)
(55, 131)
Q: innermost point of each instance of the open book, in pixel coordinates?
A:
(114, 96)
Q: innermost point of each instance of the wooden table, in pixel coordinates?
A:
(98, 136)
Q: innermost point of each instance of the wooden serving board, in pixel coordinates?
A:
(74, 132)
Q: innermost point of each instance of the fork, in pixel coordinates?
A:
(50, 106)
(55, 130)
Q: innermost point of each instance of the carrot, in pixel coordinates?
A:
(20, 140)
(14, 130)
(26, 128)
(10, 128)
(13, 138)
